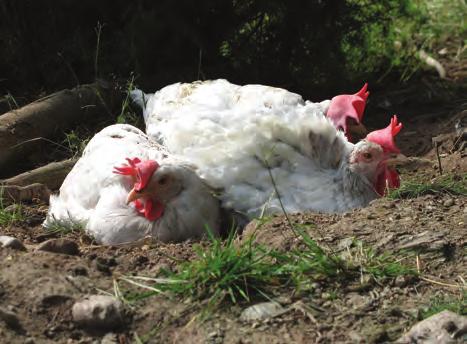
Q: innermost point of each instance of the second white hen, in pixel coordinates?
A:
(253, 139)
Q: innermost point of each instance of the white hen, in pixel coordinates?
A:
(167, 199)
(221, 102)
(246, 139)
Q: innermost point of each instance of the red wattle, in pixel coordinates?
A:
(149, 209)
(388, 178)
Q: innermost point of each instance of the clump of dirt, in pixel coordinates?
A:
(39, 288)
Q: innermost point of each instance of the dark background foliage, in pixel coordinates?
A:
(313, 47)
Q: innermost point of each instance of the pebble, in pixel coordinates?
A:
(11, 242)
(444, 327)
(345, 243)
(9, 318)
(61, 245)
(449, 202)
(356, 300)
(100, 312)
(262, 311)
(403, 281)
(110, 338)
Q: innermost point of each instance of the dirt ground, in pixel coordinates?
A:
(41, 287)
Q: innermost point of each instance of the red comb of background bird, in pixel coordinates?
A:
(141, 170)
(347, 106)
(359, 101)
(385, 137)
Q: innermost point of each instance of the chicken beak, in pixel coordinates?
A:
(396, 160)
(133, 195)
(357, 129)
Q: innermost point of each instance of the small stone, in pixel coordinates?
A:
(100, 312)
(212, 334)
(444, 327)
(109, 338)
(262, 311)
(61, 245)
(356, 300)
(449, 202)
(29, 340)
(403, 281)
(9, 318)
(345, 243)
(11, 242)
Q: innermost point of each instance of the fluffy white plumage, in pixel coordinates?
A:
(96, 197)
(240, 136)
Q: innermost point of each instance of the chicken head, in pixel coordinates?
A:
(376, 156)
(143, 193)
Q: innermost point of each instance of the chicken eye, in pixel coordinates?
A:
(163, 180)
(367, 156)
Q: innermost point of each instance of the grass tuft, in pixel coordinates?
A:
(9, 214)
(238, 272)
(378, 266)
(454, 185)
(76, 140)
(127, 114)
(225, 270)
(64, 227)
(440, 303)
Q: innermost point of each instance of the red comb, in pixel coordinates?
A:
(141, 170)
(360, 100)
(348, 106)
(385, 137)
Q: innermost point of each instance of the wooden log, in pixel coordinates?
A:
(50, 175)
(49, 118)
(18, 194)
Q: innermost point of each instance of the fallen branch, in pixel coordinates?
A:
(19, 194)
(49, 118)
(50, 175)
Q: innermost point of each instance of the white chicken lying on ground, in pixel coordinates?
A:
(250, 140)
(220, 101)
(152, 194)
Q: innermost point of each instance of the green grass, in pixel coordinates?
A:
(64, 227)
(451, 303)
(454, 185)
(225, 270)
(76, 140)
(402, 30)
(237, 272)
(127, 114)
(378, 266)
(9, 215)
(10, 100)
